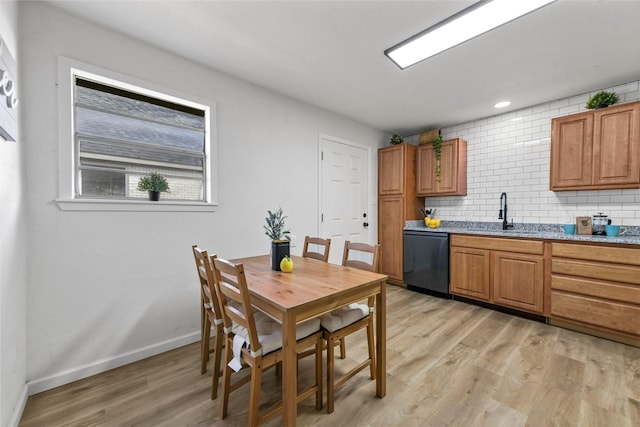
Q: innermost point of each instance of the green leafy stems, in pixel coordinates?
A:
(275, 225)
(437, 149)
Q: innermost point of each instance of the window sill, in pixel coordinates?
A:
(133, 205)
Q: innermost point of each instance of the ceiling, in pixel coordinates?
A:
(330, 53)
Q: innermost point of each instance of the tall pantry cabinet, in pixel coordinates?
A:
(397, 203)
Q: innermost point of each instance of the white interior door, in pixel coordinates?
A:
(344, 193)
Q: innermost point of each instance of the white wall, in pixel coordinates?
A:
(513, 156)
(110, 287)
(13, 273)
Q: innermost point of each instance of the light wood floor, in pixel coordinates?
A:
(449, 364)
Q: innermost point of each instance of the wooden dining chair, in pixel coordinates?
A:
(344, 321)
(210, 316)
(322, 252)
(258, 344)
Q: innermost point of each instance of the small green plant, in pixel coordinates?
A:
(396, 139)
(275, 225)
(602, 99)
(437, 149)
(153, 182)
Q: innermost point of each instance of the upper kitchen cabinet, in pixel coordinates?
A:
(397, 203)
(597, 149)
(452, 180)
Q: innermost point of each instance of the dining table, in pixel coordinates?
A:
(313, 288)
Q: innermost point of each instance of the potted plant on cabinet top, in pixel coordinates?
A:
(155, 184)
(396, 139)
(279, 237)
(602, 99)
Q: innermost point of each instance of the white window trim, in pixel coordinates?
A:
(67, 69)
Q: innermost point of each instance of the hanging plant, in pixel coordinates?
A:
(437, 149)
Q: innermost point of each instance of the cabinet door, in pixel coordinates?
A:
(391, 170)
(425, 170)
(469, 271)
(518, 281)
(571, 151)
(448, 168)
(616, 145)
(390, 226)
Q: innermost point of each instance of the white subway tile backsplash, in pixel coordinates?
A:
(513, 156)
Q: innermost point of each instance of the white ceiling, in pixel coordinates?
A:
(330, 53)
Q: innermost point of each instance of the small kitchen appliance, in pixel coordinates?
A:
(599, 222)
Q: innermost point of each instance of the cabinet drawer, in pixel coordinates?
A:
(612, 315)
(597, 253)
(596, 270)
(535, 247)
(589, 287)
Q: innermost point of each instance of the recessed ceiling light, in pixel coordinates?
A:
(477, 19)
(502, 104)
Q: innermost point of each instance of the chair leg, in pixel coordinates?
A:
(204, 344)
(343, 349)
(216, 362)
(226, 378)
(254, 393)
(372, 351)
(319, 373)
(330, 374)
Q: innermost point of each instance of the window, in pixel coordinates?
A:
(118, 131)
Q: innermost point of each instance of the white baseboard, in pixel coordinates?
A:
(22, 402)
(80, 372)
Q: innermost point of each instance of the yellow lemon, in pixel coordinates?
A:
(286, 265)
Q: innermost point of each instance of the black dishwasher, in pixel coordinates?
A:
(426, 262)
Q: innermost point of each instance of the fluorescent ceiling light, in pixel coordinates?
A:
(465, 25)
(502, 104)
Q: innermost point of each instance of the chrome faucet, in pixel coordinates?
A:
(503, 212)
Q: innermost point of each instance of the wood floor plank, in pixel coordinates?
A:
(449, 363)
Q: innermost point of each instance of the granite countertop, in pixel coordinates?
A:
(525, 231)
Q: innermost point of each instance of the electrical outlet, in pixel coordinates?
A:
(292, 240)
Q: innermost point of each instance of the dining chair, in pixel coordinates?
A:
(323, 246)
(339, 323)
(257, 343)
(210, 316)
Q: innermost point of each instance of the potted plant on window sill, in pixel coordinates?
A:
(155, 184)
(274, 228)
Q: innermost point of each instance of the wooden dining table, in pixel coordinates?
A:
(312, 289)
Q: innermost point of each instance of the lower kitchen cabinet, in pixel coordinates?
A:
(597, 288)
(506, 272)
(469, 272)
(518, 281)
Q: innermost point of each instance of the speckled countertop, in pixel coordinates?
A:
(525, 231)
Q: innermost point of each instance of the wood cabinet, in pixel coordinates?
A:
(453, 169)
(507, 272)
(598, 288)
(597, 149)
(470, 272)
(397, 203)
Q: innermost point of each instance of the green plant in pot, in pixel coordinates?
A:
(396, 139)
(602, 99)
(274, 228)
(155, 184)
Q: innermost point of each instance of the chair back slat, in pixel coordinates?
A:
(322, 254)
(231, 285)
(372, 250)
(206, 275)
(362, 248)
